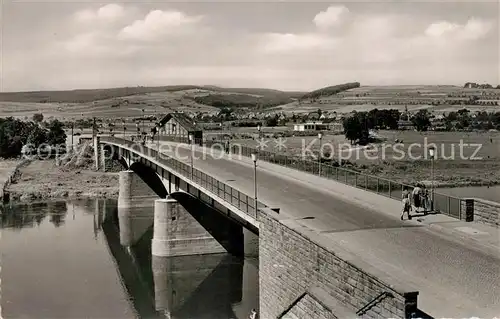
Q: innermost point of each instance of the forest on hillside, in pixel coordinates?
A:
(234, 101)
(330, 90)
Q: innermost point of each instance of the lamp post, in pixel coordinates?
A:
(432, 153)
(124, 128)
(194, 124)
(320, 136)
(157, 139)
(142, 120)
(192, 153)
(221, 132)
(254, 159)
(138, 129)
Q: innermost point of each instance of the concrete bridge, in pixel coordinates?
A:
(325, 250)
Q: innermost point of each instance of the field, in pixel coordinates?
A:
(121, 107)
(413, 163)
(128, 102)
(366, 98)
(121, 103)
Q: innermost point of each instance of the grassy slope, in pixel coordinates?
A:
(111, 103)
(82, 96)
(126, 102)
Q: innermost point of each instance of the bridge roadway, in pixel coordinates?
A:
(455, 278)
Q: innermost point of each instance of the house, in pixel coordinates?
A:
(405, 125)
(179, 125)
(310, 126)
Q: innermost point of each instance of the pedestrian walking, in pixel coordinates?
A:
(425, 200)
(417, 191)
(406, 203)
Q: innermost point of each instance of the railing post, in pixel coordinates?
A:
(448, 205)
(337, 173)
(469, 210)
(239, 199)
(390, 191)
(378, 183)
(355, 179)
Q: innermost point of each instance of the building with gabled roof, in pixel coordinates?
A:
(179, 125)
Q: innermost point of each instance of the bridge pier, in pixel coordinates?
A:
(177, 233)
(135, 203)
(102, 158)
(97, 153)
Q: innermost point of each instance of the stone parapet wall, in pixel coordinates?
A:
(293, 259)
(484, 211)
(316, 303)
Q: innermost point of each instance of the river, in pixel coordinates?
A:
(65, 260)
(491, 193)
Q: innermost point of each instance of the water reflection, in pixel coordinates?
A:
(72, 243)
(206, 286)
(33, 215)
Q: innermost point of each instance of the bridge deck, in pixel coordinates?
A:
(455, 278)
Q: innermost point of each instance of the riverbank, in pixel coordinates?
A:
(44, 180)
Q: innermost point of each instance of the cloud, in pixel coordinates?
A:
(158, 23)
(109, 12)
(289, 42)
(374, 41)
(474, 29)
(119, 47)
(477, 28)
(440, 28)
(333, 16)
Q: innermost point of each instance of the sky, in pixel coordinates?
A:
(286, 45)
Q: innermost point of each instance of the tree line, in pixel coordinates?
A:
(330, 90)
(474, 85)
(357, 126)
(14, 134)
(234, 101)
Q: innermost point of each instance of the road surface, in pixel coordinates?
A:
(454, 278)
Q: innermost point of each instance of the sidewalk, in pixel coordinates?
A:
(484, 235)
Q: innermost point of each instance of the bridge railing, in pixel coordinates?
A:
(227, 193)
(445, 204)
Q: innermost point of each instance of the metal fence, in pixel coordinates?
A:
(445, 204)
(227, 193)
